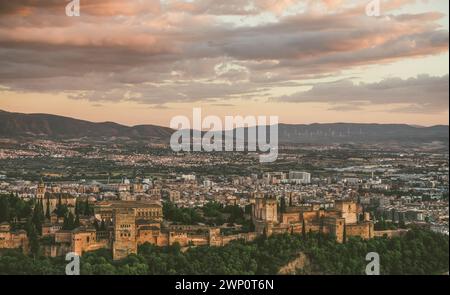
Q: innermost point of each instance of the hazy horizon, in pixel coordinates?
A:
(281, 123)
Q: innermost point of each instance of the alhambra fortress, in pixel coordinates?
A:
(134, 222)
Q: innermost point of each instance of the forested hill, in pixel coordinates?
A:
(418, 252)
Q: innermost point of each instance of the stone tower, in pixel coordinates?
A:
(124, 233)
(348, 210)
(265, 215)
(265, 209)
(41, 190)
(138, 187)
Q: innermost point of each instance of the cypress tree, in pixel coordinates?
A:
(77, 207)
(303, 228)
(4, 209)
(401, 221)
(41, 211)
(59, 207)
(69, 221)
(344, 236)
(77, 221)
(383, 223)
(103, 226)
(86, 207)
(282, 205)
(34, 241)
(38, 217)
(47, 211)
(321, 225)
(28, 226)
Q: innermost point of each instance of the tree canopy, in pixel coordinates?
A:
(418, 252)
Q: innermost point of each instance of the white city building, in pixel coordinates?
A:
(299, 177)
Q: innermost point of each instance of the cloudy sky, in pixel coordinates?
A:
(145, 61)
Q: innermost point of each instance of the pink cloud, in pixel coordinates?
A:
(184, 42)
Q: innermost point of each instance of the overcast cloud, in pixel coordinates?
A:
(156, 52)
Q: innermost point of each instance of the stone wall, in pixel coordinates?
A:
(14, 240)
(364, 230)
(390, 233)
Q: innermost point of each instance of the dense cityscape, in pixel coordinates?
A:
(83, 197)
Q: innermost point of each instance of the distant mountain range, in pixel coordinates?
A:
(52, 126)
(362, 133)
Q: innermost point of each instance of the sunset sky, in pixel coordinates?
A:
(307, 61)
